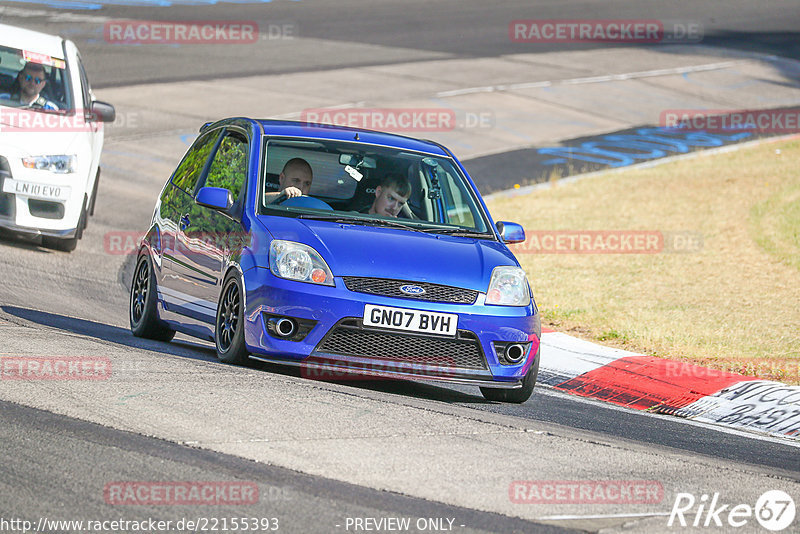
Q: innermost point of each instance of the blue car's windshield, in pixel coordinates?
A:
(366, 184)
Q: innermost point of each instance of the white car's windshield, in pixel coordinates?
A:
(32, 80)
(369, 185)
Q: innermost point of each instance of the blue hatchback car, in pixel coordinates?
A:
(337, 250)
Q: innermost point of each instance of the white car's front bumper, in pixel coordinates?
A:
(38, 202)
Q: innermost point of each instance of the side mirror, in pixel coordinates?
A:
(510, 232)
(216, 198)
(103, 111)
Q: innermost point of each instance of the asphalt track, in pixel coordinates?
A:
(396, 31)
(312, 504)
(80, 297)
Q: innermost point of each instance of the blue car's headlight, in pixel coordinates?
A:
(508, 287)
(296, 261)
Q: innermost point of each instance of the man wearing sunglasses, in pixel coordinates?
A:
(31, 80)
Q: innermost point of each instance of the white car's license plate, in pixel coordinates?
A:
(45, 191)
(410, 320)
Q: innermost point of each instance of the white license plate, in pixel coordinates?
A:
(410, 320)
(28, 189)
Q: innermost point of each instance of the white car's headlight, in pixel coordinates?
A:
(56, 164)
(300, 262)
(508, 287)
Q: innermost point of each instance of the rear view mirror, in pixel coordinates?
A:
(354, 160)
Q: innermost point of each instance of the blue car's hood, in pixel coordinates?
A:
(381, 252)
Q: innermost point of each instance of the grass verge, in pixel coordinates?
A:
(721, 290)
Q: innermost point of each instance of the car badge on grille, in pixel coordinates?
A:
(411, 289)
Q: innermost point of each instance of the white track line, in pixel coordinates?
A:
(592, 79)
(598, 516)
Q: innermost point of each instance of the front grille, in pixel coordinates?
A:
(391, 288)
(350, 338)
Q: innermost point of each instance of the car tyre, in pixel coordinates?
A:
(142, 310)
(519, 395)
(229, 326)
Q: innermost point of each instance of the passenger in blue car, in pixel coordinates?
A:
(295, 180)
(28, 86)
(390, 196)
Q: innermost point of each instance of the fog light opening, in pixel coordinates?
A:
(515, 352)
(285, 327)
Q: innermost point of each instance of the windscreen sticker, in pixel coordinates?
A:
(353, 172)
(43, 59)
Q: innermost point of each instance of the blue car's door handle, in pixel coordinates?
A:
(185, 222)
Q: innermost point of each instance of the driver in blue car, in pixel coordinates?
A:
(295, 180)
(28, 86)
(390, 196)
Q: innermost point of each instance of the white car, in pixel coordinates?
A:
(50, 144)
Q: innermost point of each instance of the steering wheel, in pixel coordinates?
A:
(303, 201)
(278, 199)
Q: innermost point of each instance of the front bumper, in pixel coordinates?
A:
(36, 203)
(468, 358)
(12, 228)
